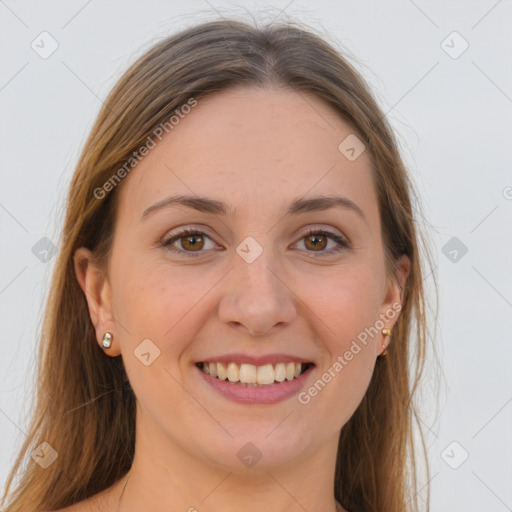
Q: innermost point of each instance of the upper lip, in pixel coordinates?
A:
(256, 360)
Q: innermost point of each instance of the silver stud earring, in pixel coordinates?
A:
(107, 340)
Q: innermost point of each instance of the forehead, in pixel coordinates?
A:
(251, 147)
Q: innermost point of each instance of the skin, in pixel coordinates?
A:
(256, 150)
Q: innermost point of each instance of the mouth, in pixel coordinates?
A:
(256, 376)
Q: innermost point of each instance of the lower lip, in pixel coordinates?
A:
(257, 395)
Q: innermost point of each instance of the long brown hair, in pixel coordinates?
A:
(85, 407)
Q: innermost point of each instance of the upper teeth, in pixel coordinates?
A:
(251, 374)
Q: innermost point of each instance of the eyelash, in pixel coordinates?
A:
(341, 241)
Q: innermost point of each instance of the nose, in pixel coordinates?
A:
(257, 297)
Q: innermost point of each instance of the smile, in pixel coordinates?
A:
(250, 375)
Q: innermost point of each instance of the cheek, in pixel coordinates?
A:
(347, 308)
(345, 302)
(163, 302)
(160, 305)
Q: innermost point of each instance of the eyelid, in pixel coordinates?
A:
(173, 237)
(343, 243)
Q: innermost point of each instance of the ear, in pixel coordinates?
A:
(393, 298)
(96, 288)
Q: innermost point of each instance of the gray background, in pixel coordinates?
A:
(452, 115)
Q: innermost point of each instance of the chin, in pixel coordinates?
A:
(252, 449)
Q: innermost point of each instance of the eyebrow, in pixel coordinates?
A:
(298, 206)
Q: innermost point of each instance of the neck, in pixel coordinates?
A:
(163, 475)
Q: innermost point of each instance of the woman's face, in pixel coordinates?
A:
(250, 286)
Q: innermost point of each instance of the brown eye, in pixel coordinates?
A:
(316, 241)
(192, 242)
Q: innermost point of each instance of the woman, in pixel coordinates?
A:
(232, 309)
